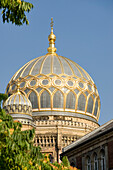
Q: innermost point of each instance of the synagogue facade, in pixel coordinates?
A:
(57, 97)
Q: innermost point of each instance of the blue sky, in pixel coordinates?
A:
(84, 34)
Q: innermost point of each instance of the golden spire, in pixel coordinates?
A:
(52, 38)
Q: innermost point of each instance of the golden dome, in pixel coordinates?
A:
(19, 107)
(56, 85)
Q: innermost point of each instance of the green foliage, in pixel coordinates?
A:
(65, 161)
(14, 11)
(17, 150)
(16, 146)
(3, 97)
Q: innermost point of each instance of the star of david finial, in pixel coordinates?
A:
(51, 23)
(52, 38)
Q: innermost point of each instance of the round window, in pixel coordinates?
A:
(81, 85)
(22, 84)
(13, 87)
(45, 82)
(58, 82)
(33, 82)
(70, 83)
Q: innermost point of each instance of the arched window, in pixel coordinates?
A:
(102, 157)
(88, 163)
(95, 162)
(33, 99)
(70, 101)
(58, 100)
(45, 101)
(81, 102)
(90, 105)
(96, 107)
(51, 158)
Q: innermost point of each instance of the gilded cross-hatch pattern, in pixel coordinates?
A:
(50, 77)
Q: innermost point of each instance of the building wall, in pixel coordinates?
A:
(79, 162)
(98, 151)
(110, 154)
(26, 127)
(55, 132)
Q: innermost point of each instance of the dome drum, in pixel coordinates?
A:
(21, 116)
(64, 114)
(23, 109)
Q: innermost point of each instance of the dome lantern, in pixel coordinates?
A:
(51, 38)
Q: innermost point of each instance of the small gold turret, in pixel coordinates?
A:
(18, 88)
(52, 38)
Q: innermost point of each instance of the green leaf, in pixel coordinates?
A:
(15, 11)
(65, 161)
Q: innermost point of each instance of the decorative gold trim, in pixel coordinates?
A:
(15, 98)
(52, 64)
(20, 113)
(77, 66)
(37, 60)
(40, 71)
(46, 87)
(23, 99)
(68, 64)
(61, 64)
(13, 78)
(26, 66)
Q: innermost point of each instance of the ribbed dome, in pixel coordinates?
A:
(18, 99)
(56, 85)
(19, 107)
(52, 64)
